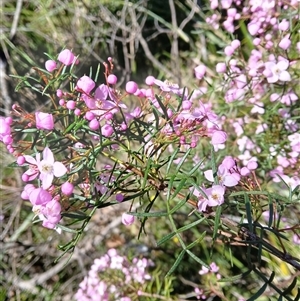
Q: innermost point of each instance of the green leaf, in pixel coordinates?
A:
(148, 214)
(248, 212)
(258, 293)
(179, 187)
(66, 229)
(217, 222)
(235, 278)
(165, 238)
(177, 206)
(197, 241)
(171, 159)
(191, 225)
(164, 109)
(271, 212)
(182, 160)
(176, 263)
(75, 215)
(197, 259)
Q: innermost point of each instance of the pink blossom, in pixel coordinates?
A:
(50, 168)
(66, 57)
(218, 137)
(39, 196)
(221, 68)
(229, 50)
(284, 25)
(85, 84)
(228, 162)
(200, 71)
(166, 86)
(150, 80)
(44, 121)
(51, 214)
(50, 65)
(131, 87)
(67, 188)
(112, 79)
(94, 124)
(127, 219)
(33, 171)
(27, 191)
(214, 197)
(107, 130)
(285, 43)
(277, 71)
(225, 177)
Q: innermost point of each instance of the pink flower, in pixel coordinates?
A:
(49, 168)
(166, 86)
(275, 72)
(224, 176)
(85, 84)
(67, 188)
(66, 57)
(127, 219)
(51, 212)
(33, 171)
(27, 191)
(285, 43)
(200, 71)
(218, 137)
(44, 121)
(131, 87)
(214, 196)
(221, 68)
(50, 65)
(107, 130)
(112, 79)
(39, 196)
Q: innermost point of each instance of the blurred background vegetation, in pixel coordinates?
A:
(166, 39)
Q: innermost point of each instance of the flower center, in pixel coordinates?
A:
(47, 168)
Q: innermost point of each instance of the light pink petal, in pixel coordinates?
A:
(284, 76)
(209, 175)
(283, 65)
(48, 155)
(101, 92)
(272, 79)
(228, 162)
(32, 174)
(47, 180)
(59, 169)
(230, 181)
(202, 204)
(30, 160)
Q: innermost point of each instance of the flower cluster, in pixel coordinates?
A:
(211, 272)
(112, 275)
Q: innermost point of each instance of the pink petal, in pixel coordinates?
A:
(209, 175)
(30, 160)
(230, 181)
(284, 76)
(47, 180)
(283, 65)
(48, 155)
(59, 169)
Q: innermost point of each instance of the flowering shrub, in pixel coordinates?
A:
(124, 278)
(235, 165)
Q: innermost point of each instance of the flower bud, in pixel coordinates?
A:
(50, 65)
(44, 121)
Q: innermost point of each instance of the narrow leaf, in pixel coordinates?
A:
(165, 238)
(176, 263)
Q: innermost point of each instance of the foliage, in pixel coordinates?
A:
(210, 172)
